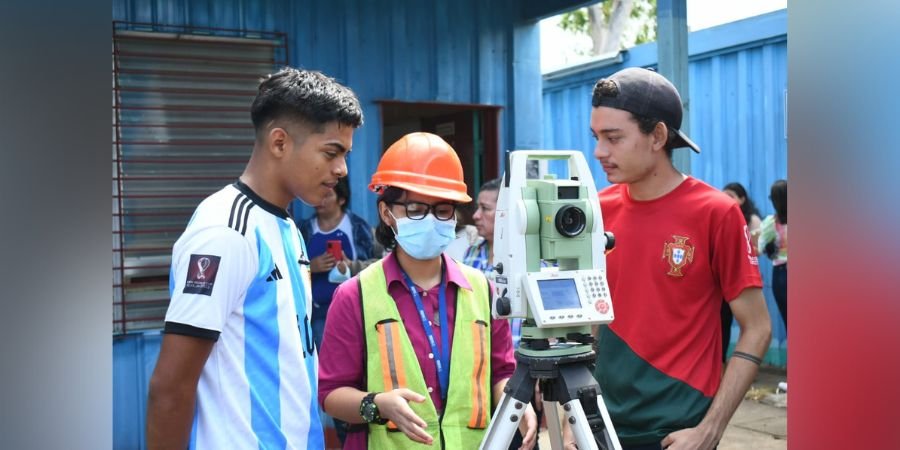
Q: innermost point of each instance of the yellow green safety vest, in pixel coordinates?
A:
(391, 364)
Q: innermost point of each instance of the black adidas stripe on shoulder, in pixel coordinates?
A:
(240, 211)
(234, 205)
(246, 217)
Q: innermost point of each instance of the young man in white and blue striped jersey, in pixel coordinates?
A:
(237, 367)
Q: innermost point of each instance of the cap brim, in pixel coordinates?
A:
(684, 141)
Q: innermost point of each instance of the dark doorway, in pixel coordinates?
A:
(472, 130)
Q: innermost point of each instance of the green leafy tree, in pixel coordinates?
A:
(613, 24)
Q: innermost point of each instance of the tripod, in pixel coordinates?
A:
(565, 377)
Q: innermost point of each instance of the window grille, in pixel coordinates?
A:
(181, 130)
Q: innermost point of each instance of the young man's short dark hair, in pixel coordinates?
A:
(308, 96)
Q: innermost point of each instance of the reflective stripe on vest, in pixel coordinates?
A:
(480, 413)
(392, 368)
(392, 363)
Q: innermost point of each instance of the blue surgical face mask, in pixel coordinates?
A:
(425, 238)
(338, 277)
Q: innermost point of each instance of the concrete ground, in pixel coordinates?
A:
(760, 422)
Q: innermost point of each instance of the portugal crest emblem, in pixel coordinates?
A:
(678, 254)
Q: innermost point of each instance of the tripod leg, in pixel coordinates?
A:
(579, 425)
(610, 431)
(585, 410)
(505, 422)
(584, 436)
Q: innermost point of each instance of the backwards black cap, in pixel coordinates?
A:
(646, 93)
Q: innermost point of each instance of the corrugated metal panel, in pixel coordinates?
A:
(738, 90)
(134, 357)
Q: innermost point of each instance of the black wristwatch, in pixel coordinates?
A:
(369, 410)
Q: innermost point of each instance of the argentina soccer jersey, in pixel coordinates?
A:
(266, 359)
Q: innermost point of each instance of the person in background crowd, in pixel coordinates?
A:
(773, 242)
(736, 191)
(480, 254)
(333, 221)
(748, 208)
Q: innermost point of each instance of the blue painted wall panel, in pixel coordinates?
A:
(738, 85)
(134, 357)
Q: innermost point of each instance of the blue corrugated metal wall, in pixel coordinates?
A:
(738, 90)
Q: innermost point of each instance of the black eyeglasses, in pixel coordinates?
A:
(418, 211)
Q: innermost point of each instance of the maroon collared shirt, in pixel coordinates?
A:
(342, 356)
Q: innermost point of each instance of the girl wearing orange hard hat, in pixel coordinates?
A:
(409, 342)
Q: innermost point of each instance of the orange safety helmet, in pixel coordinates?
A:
(422, 163)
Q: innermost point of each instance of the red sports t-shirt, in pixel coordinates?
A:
(676, 258)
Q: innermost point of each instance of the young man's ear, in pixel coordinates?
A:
(660, 135)
(277, 141)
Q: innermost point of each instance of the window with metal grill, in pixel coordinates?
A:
(181, 131)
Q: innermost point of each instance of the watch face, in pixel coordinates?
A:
(368, 411)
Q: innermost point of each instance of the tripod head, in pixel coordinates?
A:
(549, 249)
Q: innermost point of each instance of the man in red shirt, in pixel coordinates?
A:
(681, 246)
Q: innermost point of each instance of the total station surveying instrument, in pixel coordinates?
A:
(550, 264)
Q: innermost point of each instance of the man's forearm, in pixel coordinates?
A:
(169, 418)
(739, 375)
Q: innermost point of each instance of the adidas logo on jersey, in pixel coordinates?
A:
(275, 275)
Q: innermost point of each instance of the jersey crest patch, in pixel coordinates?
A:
(201, 274)
(678, 254)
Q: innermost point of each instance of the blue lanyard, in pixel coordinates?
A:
(442, 358)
